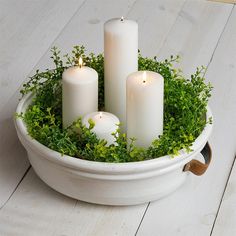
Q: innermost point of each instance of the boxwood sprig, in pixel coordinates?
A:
(185, 106)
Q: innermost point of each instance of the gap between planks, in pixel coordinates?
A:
(221, 200)
(12, 153)
(211, 55)
(143, 214)
(26, 172)
(136, 233)
(220, 38)
(224, 1)
(16, 93)
(227, 181)
(146, 209)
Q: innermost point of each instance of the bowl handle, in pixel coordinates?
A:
(197, 167)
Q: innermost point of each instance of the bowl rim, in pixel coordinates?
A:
(104, 167)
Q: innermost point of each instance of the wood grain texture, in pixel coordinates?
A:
(155, 20)
(35, 209)
(86, 28)
(196, 34)
(224, 1)
(189, 28)
(192, 209)
(47, 215)
(225, 221)
(224, 63)
(27, 30)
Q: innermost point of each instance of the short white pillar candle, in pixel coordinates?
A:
(105, 124)
(145, 95)
(120, 59)
(79, 92)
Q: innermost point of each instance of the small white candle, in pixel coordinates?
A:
(145, 92)
(79, 92)
(105, 124)
(120, 59)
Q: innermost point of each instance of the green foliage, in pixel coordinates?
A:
(185, 102)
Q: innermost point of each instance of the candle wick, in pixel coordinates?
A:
(100, 115)
(144, 77)
(80, 62)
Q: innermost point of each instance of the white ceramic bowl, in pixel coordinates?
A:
(107, 183)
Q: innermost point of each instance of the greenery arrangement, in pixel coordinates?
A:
(185, 102)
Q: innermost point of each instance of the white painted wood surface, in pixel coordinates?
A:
(202, 32)
(225, 59)
(202, 196)
(27, 29)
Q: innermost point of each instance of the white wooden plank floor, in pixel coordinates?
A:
(202, 32)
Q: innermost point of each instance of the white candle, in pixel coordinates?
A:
(79, 93)
(105, 124)
(120, 59)
(145, 92)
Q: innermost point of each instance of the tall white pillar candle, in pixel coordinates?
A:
(105, 124)
(79, 93)
(120, 59)
(145, 92)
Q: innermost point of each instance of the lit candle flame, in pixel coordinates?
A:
(100, 115)
(144, 77)
(122, 18)
(80, 62)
